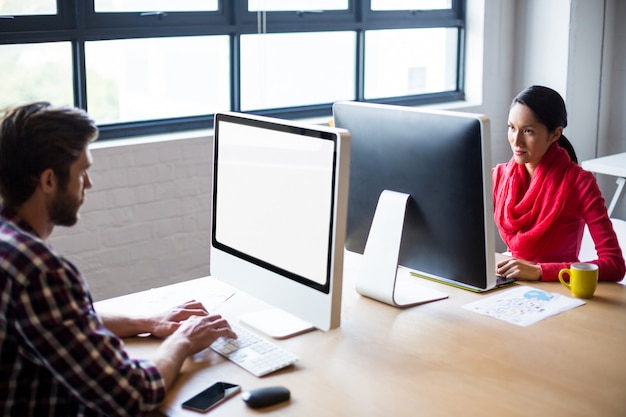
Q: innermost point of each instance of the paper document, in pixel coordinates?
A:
(523, 305)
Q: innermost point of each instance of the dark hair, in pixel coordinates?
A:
(36, 137)
(549, 108)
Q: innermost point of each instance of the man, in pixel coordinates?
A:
(57, 356)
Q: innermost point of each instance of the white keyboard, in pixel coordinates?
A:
(252, 352)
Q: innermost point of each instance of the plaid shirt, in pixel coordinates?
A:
(56, 357)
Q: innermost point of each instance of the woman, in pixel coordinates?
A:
(543, 198)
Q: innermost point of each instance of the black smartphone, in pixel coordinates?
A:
(212, 396)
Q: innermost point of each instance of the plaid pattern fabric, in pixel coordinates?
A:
(56, 357)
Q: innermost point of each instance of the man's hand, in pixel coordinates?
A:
(191, 336)
(201, 331)
(168, 322)
(159, 325)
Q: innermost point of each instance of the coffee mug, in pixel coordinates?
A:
(583, 279)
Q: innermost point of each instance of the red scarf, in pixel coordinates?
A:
(526, 208)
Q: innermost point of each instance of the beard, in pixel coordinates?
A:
(63, 209)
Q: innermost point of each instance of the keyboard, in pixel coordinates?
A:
(252, 352)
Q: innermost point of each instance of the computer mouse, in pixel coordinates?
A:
(264, 397)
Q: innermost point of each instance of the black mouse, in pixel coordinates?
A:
(264, 397)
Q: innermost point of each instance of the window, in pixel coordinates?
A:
(320, 69)
(421, 61)
(119, 6)
(156, 78)
(151, 66)
(23, 8)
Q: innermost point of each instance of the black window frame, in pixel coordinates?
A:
(77, 22)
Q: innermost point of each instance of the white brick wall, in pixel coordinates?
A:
(146, 221)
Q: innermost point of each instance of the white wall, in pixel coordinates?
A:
(612, 115)
(491, 57)
(146, 221)
(613, 106)
(584, 73)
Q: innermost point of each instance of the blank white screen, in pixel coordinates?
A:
(274, 197)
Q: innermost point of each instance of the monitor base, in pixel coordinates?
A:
(276, 323)
(379, 278)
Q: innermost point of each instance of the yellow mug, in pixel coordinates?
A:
(583, 279)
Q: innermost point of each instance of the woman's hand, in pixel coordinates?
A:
(518, 269)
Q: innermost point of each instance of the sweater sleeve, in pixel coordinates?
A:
(610, 260)
(550, 270)
(610, 257)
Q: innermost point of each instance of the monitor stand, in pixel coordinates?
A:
(276, 323)
(379, 277)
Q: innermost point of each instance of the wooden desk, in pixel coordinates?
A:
(436, 359)
(614, 165)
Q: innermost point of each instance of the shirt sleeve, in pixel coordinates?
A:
(64, 336)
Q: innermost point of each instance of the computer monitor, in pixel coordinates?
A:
(436, 217)
(279, 210)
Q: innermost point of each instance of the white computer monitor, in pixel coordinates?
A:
(279, 210)
(426, 177)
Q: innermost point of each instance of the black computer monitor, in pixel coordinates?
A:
(440, 163)
(279, 209)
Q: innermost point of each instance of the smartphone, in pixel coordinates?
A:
(212, 396)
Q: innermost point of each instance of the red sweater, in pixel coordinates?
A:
(560, 241)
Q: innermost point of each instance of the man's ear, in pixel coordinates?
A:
(48, 181)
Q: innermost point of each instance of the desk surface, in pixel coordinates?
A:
(614, 165)
(436, 359)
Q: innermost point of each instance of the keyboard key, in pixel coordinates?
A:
(254, 353)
